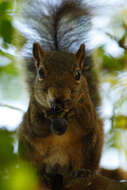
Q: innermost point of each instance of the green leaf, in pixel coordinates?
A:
(120, 122)
(22, 178)
(109, 63)
(9, 69)
(6, 30)
(6, 147)
(5, 6)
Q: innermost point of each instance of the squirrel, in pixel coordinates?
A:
(61, 134)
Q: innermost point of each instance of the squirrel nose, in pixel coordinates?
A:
(57, 105)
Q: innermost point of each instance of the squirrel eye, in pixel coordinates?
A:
(41, 74)
(78, 75)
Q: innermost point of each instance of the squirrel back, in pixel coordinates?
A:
(60, 27)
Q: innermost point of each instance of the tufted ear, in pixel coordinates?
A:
(38, 54)
(80, 55)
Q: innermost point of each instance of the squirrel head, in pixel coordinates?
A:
(59, 80)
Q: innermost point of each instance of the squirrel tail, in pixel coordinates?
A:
(60, 26)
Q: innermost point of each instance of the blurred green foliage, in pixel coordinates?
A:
(109, 63)
(9, 74)
(113, 69)
(6, 27)
(16, 175)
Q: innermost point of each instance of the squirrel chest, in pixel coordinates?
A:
(60, 151)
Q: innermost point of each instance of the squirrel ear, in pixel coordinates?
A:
(38, 53)
(80, 55)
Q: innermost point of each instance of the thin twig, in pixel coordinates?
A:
(11, 107)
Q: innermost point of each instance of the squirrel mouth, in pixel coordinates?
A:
(56, 114)
(58, 122)
(58, 109)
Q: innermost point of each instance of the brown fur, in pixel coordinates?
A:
(97, 182)
(116, 174)
(80, 146)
